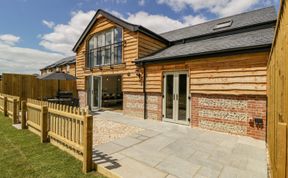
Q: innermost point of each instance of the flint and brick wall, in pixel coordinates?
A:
(231, 114)
(133, 105)
(82, 98)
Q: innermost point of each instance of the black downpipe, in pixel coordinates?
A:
(144, 91)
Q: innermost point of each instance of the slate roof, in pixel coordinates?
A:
(239, 21)
(248, 40)
(251, 30)
(64, 61)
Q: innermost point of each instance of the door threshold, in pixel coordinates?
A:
(175, 122)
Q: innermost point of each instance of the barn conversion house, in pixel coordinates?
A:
(211, 75)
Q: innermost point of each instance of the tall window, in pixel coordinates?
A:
(105, 48)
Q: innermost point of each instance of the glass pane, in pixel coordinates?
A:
(107, 55)
(108, 37)
(91, 43)
(117, 35)
(119, 54)
(169, 96)
(182, 97)
(101, 40)
(99, 59)
(96, 84)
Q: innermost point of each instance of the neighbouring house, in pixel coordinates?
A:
(211, 75)
(67, 65)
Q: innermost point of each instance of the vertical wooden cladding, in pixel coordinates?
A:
(278, 97)
(237, 75)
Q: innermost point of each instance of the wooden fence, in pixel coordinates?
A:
(0, 86)
(35, 111)
(278, 97)
(10, 106)
(66, 127)
(28, 86)
(3, 104)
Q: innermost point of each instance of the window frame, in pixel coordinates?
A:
(103, 48)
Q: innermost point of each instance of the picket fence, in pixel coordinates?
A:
(69, 128)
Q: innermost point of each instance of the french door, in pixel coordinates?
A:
(96, 92)
(176, 97)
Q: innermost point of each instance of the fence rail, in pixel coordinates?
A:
(68, 128)
(10, 106)
(3, 104)
(34, 117)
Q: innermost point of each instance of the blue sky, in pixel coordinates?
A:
(34, 33)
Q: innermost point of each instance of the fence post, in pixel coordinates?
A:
(23, 114)
(5, 106)
(15, 114)
(87, 143)
(43, 124)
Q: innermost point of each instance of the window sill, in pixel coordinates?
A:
(114, 66)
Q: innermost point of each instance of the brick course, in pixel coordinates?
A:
(232, 114)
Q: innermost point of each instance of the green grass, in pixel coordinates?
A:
(22, 155)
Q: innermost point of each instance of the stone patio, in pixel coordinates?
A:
(164, 150)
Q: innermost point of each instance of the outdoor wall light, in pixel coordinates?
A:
(258, 122)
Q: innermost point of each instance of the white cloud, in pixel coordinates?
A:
(218, 7)
(9, 39)
(24, 60)
(161, 23)
(64, 36)
(117, 14)
(141, 2)
(49, 24)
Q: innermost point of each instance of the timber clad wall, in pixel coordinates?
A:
(240, 77)
(148, 45)
(278, 97)
(238, 74)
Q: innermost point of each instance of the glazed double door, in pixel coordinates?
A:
(176, 97)
(95, 92)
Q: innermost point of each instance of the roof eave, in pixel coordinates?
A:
(118, 21)
(209, 53)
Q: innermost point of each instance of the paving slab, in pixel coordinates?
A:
(148, 133)
(149, 157)
(165, 150)
(109, 148)
(178, 167)
(208, 172)
(229, 172)
(127, 141)
(134, 169)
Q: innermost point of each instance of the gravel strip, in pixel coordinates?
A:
(105, 131)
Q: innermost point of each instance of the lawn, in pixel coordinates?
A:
(22, 155)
